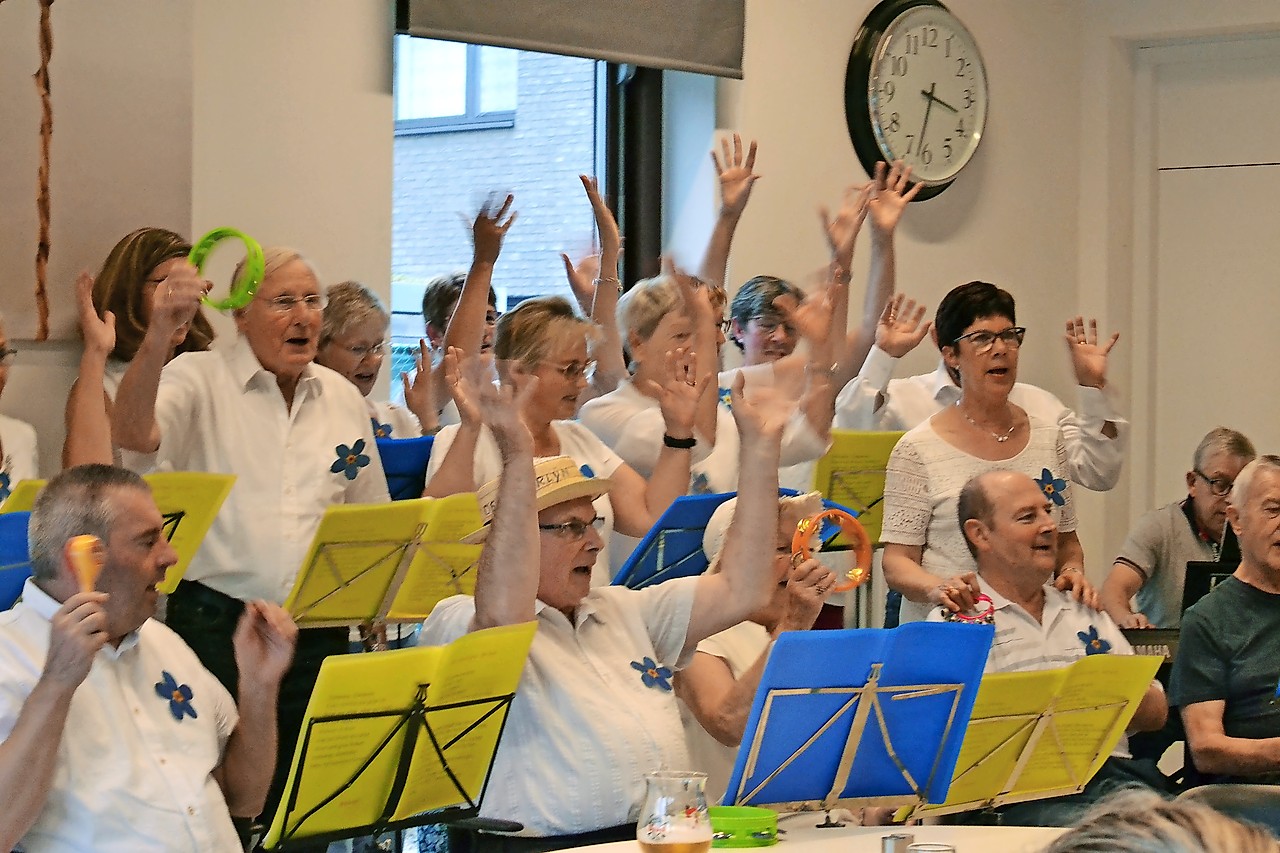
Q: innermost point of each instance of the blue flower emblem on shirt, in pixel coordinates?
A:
(1093, 644)
(726, 398)
(350, 459)
(653, 674)
(177, 695)
(380, 430)
(1054, 488)
(5, 483)
(587, 472)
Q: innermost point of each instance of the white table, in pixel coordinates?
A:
(802, 837)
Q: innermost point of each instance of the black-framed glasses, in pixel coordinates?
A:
(1219, 486)
(574, 370)
(983, 340)
(284, 304)
(6, 356)
(574, 528)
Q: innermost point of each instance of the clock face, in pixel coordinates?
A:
(927, 93)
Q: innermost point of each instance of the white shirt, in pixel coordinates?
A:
(871, 401)
(20, 457)
(739, 647)
(399, 421)
(129, 775)
(576, 442)
(922, 490)
(1067, 631)
(584, 728)
(221, 411)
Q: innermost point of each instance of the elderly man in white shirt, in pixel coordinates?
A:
(1095, 437)
(115, 738)
(296, 436)
(1008, 524)
(595, 709)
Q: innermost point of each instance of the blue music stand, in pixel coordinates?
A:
(673, 546)
(404, 461)
(860, 717)
(15, 562)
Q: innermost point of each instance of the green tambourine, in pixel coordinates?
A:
(243, 288)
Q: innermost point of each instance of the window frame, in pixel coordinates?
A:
(472, 119)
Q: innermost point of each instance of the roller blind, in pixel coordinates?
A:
(703, 36)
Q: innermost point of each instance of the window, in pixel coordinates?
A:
(445, 86)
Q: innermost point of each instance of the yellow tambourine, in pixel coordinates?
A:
(251, 274)
(853, 532)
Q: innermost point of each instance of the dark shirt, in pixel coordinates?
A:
(1229, 650)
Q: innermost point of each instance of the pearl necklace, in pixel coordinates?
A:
(997, 436)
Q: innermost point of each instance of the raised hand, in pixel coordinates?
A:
(606, 225)
(466, 378)
(890, 195)
(419, 390)
(76, 632)
(900, 329)
(499, 406)
(736, 175)
(1088, 356)
(99, 332)
(762, 415)
(842, 230)
(812, 318)
(264, 641)
(176, 299)
(582, 280)
(490, 227)
(678, 396)
(809, 585)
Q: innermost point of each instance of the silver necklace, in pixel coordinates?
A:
(997, 436)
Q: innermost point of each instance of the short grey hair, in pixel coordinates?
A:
(1244, 480)
(350, 304)
(1222, 440)
(1135, 820)
(77, 501)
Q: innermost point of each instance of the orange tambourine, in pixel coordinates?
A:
(854, 534)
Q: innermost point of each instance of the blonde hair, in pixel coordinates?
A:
(1141, 821)
(349, 304)
(791, 509)
(534, 329)
(642, 308)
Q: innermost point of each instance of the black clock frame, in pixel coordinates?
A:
(857, 106)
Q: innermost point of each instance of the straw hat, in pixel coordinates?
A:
(557, 479)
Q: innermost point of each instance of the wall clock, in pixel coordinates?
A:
(916, 90)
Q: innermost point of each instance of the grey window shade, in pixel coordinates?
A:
(703, 36)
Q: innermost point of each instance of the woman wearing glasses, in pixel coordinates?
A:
(543, 348)
(925, 557)
(353, 342)
(115, 308)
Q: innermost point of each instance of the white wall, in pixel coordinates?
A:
(275, 118)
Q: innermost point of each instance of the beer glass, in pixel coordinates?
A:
(674, 818)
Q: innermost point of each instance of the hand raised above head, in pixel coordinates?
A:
(490, 226)
(582, 278)
(762, 414)
(678, 396)
(736, 174)
(842, 229)
(892, 192)
(1088, 356)
(497, 405)
(99, 332)
(606, 224)
(812, 318)
(900, 329)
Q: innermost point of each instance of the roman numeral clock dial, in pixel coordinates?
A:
(916, 91)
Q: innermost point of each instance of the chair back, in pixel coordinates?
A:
(1258, 804)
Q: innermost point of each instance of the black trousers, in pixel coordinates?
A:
(470, 841)
(206, 619)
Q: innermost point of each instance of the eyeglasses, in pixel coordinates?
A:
(772, 323)
(363, 352)
(574, 370)
(984, 340)
(1219, 486)
(284, 304)
(6, 356)
(574, 528)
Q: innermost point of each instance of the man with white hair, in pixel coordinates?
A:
(1228, 661)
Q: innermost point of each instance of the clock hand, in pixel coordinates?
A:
(938, 100)
(929, 99)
